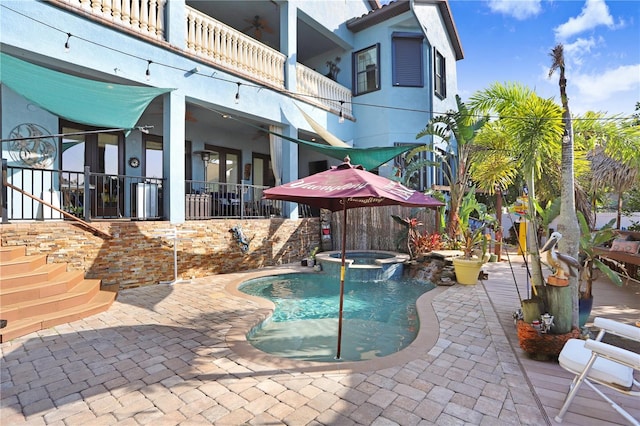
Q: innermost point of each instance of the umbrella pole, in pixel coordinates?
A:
(342, 272)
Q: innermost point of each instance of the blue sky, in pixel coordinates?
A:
(511, 41)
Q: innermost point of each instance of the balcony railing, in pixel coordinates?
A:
(232, 50)
(143, 16)
(82, 194)
(219, 44)
(322, 91)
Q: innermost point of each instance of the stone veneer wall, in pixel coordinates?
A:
(139, 254)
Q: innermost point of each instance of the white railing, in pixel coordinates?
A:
(232, 50)
(317, 89)
(143, 16)
(221, 45)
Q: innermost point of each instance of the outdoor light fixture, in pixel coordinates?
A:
(148, 73)
(341, 118)
(67, 47)
(205, 155)
(238, 93)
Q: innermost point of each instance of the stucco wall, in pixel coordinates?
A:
(138, 254)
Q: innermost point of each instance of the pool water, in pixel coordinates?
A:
(379, 317)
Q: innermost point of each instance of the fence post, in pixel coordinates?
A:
(86, 207)
(3, 192)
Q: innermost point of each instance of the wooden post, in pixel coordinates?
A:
(498, 246)
(532, 309)
(561, 307)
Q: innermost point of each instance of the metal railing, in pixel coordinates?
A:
(206, 200)
(85, 195)
(41, 194)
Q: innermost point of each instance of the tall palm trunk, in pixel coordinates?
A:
(532, 235)
(568, 221)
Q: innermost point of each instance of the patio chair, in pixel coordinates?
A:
(597, 363)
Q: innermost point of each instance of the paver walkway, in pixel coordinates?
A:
(168, 355)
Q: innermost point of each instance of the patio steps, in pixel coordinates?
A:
(36, 295)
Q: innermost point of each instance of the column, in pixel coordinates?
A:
(173, 156)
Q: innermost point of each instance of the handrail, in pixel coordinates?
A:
(92, 228)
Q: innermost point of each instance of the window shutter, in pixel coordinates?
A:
(407, 62)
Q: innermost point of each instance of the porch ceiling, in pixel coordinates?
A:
(241, 16)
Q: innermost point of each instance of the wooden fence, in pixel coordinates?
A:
(375, 229)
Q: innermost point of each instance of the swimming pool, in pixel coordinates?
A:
(379, 317)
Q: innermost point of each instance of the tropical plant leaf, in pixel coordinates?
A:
(610, 273)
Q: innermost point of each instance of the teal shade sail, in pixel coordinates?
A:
(370, 158)
(77, 99)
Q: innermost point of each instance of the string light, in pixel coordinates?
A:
(148, 73)
(238, 93)
(285, 92)
(66, 43)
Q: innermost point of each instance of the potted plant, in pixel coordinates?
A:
(474, 241)
(311, 259)
(591, 264)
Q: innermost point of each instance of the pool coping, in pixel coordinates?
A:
(236, 339)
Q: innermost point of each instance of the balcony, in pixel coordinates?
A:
(223, 46)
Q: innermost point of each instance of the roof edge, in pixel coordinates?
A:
(450, 25)
(377, 16)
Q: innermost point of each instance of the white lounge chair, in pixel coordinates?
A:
(595, 362)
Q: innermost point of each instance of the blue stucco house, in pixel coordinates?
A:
(186, 109)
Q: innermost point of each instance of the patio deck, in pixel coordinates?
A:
(177, 355)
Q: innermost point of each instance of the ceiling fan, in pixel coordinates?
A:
(256, 26)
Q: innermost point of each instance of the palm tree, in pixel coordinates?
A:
(526, 134)
(457, 129)
(613, 152)
(568, 220)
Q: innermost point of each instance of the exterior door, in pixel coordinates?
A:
(103, 153)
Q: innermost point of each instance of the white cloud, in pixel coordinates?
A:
(600, 86)
(575, 52)
(521, 9)
(594, 13)
(614, 86)
(612, 91)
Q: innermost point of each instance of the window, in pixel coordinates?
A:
(152, 165)
(102, 152)
(262, 170)
(407, 60)
(419, 177)
(440, 75)
(224, 165)
(366, 70)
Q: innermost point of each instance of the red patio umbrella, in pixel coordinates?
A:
(345, 187)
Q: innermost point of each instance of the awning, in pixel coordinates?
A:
(330, 138)
(77, 99)
(369, 158)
